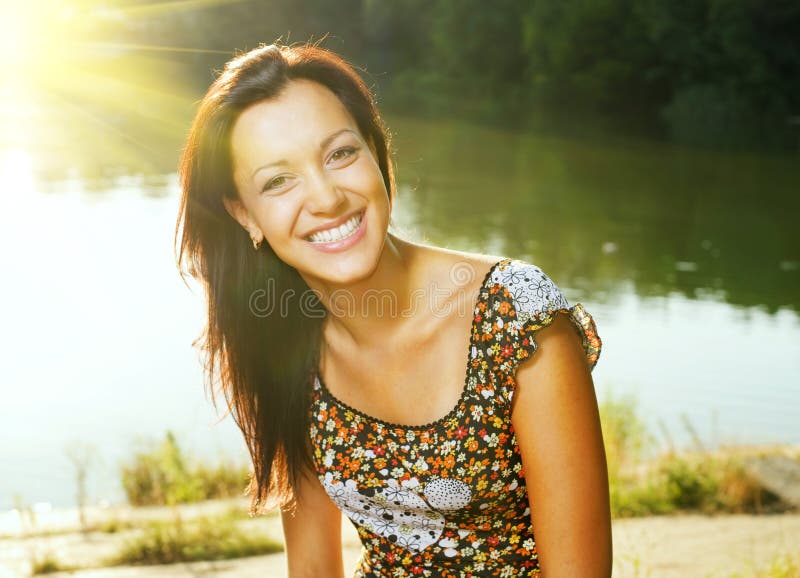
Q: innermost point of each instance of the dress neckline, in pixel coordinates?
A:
(464, 391)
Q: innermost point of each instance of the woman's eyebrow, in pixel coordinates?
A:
(329, 139)
(325, 142)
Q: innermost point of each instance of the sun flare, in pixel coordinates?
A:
(72, 91)
(34, 35)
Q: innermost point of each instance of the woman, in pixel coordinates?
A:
(340, 347)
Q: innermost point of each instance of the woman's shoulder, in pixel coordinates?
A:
(450, 269)
(525, 283)
(445, 255)
(531, 290)
(517, 299)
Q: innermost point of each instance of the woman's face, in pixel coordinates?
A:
(309, 184)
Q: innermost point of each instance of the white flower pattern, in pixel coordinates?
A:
(395, 512)
(534, 292)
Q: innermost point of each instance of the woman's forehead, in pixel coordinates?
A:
(301, 116)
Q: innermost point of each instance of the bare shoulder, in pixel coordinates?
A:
(459, 268)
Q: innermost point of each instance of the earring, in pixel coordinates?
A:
(256, 243)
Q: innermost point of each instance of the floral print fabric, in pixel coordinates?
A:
(448, 499)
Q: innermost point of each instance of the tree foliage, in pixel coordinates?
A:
(700, 71)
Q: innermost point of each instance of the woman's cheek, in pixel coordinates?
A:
(279, 219)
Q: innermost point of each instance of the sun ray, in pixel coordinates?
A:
(155, 48)
(75, 96)
(162, 8)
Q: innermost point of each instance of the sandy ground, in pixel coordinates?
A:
(656, 547)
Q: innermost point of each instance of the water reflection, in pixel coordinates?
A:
(597, 215)
(688, 260)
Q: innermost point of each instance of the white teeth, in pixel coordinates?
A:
(337, 233)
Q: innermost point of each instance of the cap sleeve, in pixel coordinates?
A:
(526, 301)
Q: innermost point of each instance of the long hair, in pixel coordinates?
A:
(262, 360)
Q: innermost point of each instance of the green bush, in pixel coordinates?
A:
(209, 538)
(624, 433)
(639, 498)
(690, 484)
(643, 483)
(113, 526)
(46, 564)
(162, 475)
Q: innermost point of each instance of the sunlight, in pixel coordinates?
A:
(77, 96)
(171, 6)
(32, 34)
(14, 23)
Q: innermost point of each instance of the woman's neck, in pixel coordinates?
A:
(378, 306)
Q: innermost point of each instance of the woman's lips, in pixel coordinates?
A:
(343, 244)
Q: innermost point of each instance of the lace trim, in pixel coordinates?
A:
(582, 322)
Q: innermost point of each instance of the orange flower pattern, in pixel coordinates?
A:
(448, 499)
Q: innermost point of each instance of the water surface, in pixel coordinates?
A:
(687, 259)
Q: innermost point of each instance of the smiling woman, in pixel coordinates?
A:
(446, 466)
(320, 167)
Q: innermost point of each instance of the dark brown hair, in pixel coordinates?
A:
(261, 363)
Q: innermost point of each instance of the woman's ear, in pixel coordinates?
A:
(240, 213)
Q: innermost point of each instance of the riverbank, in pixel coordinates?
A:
(672, 546)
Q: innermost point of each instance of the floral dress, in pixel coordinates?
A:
(448, 499)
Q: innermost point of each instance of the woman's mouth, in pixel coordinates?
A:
(339, 237)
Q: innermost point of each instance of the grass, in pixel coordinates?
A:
(643, 482)
(218, 537)
(783, 565)
(207, 538)
(47, 564)
(112, 526)
(162, 474)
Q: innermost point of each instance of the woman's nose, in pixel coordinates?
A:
(323, 196)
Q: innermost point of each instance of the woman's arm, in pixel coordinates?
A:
(557, 425)
(313, 533)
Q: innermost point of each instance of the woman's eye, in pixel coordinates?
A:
(275, 183)
(342, 153)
